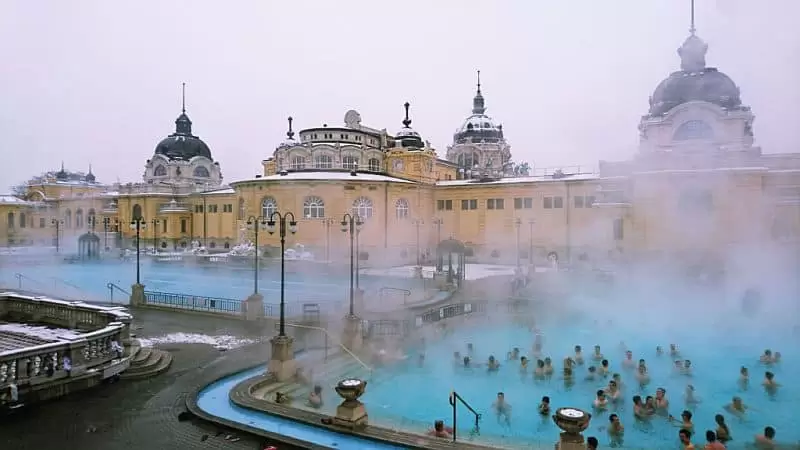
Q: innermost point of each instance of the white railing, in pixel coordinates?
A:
(330, 337)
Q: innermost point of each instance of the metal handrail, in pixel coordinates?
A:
(329, 336)
(111, 287)
(454, 399)
(21, 277)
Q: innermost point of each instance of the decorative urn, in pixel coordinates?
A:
(351, 389)
(572, 420)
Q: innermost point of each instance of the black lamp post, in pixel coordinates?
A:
(106, 224)
(155, 223)
(438, 222)
(417, 223)
(517, 223)
(283, 220)
(255, 224)
(58, 223)
(351, 224)
(138, 224)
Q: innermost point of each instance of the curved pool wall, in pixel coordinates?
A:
(234, 282)
(214, 400)
(408, 393)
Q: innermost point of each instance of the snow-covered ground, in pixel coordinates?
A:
(223, 342)
(44, 333)
(472, 271)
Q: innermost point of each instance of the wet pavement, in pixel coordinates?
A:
(145, 414)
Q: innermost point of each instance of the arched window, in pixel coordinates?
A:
(350, 162)
(374, 165)
(313, 208)
(90, 218)
(136, 213)
(468, 160)
(67, 219)
(160, 171)
(298, 163)
(401, 208)
(693, 129)
(323, 162)
(11, 222)
(241, 209)
(79, 218)
(201, 172)
(268, 206)
(23, 220)
(362, 207)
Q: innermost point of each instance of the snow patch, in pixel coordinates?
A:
(223, 342)
(472, 271)
(40, 332)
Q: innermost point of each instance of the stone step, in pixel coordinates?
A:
(141, 356)
(153, 358)
(164, 361)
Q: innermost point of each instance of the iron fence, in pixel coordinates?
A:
(193, 302)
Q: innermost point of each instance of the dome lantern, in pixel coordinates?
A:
(478, 105)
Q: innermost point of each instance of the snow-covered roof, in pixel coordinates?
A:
(224, 191)
(8, 199)
(517, 180)
(326, 176)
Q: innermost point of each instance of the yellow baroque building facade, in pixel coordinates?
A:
(697, 188)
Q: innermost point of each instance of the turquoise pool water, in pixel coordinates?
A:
(91, 279)
(409, 393)
(214, 400)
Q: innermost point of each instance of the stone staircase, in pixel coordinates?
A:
(327, 375)
(146, 362)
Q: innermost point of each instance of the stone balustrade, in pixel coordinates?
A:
(104, 333)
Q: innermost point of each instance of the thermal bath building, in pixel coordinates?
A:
(697, 187)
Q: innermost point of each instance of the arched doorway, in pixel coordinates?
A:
(451, 259)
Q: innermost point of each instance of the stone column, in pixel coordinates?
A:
(352, 336)
(137, 295)
(282, 364)
(253, 307)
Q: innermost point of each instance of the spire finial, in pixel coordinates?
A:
(62, 165)
(290, 133)
(692, 29)
(90, 168)
(479, 81)
(407, 120)
(183, 97)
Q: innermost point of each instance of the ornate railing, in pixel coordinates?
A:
(328, 338)
(193, 302)
(451, 310)
(385, 327)
(71, 354)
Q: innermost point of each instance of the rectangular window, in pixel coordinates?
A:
(578, 201)
(518, 203)
(198, 208)
(467, 205)
(490, 203)
(228, 208)
(440, 205)
(547, 203)
(183, 225)
(558, 202)
(473, 204)
(464, 205)
(448, 205)
(527, 202)
(495, 203)
(41, 222)
(618, 230)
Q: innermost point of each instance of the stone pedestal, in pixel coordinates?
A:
(253, 307)
(570, 441)
(137, 295)
(351, 414)
(282, 364)
(352, 336)
(573, 422)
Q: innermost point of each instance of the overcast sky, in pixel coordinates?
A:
(98, 82)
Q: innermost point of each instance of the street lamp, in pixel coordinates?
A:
(282, 227)
(328, 221)
(255, 224)
(138, 224)
(58, 223)
(106, 226)
(417, 223)
(438, 222)
(351, 224)
(517, 223)
(155, 223)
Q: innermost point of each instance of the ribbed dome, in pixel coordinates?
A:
(694, 82)
(183, 144)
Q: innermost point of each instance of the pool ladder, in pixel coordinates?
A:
(454, 399)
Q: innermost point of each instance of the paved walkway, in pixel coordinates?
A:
(143, 414)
